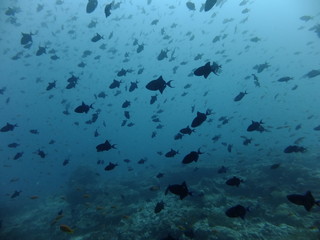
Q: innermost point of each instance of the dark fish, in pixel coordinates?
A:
(18, 155)
(96, 38)
(169, 237)
(306, 200)
(160, 175)
(34, 131)
(142, 161)
(237, 211)
(153, 99)
(229, 148)
(275, 166)
(110, 166)
(83, 108)
(234, 181)
(91, 6)
(127, 114)
(216, 138)
(317, 128)
(171, 153)
(72, 82)
(294, 148)
(26, 38)
(284, 79)
(162, 55)
(191, 6)
(65, 162)
(246, 140)
(140, 48)
(187, 130)
(191, 157)
(261, 67)
(41, 153)
(158, 85)
(126, 104)
(8, 127)
(106, 146)
(209, 4)
(51, 85)
(240, 96)
(178, 136)
(133, 86)
(199, 119)
(13, 145)
(40, 51)
(2, 90)
(180, 190)
(312, 74)
(159, 207)
(222, 169)
(256, 126)
(123, 72)
(306, 18)
(15, 194)
(107, 9)
(115, 84)
(203, 70)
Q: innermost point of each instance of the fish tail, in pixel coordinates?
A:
(169, 83)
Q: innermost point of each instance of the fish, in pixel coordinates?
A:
(65, 162)
(140, 48)
(306, 18)
(275, 166)
(236, 211)
(178, 136)
(40, 51)
(284, 79)
(159, 207)
(256, 126)
(162, 55)
(34, 131)
(18, 155)
(306, 200)
(204, 70)
(107, 10)
(192, 157)
(312, 74)
(234, 181)
(66, 228)
(294, 148)
(106, 146)
(240, 96)
(127, 114)
(261, 67)
(200, 118)
(153, 99)
(8, 127)
(13, 145)
(169, 237)
(133, 86)
(209, 4)
(51, 85)
(191, 6)
(158, 84)
(126, 104)
(16, 194)
(26, 38)
(171, 153)
(246, 140)
(83, 108)
(317, 128)
(187, 130)
(159, 175)
(142, 161)
(41, 153)
(96, 38)
(222, 169)
(91, 6)
(179, 189)
(216, 138)
(115, 84)
(110, 166)
(72, 82)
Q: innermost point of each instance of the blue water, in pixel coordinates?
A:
(118, 204)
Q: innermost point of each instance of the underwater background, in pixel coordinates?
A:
(83, 158)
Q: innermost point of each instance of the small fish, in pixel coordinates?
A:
(13, 145)
(200, 118)
(240, 96)
(179, 189)
(106, 146)
(256, 126)
(126, 104)
(236, 211)
(133, 86)
(18, 155)
(110, 166)
(65, 162)
(107, 9)
(284, 79)
(158, 85)
(159, 207)
(66, 228)
(192, 157)
(159, 175)
(191, 6)
(91, 6)
(40, 51)
(294, 148)
(234, 181)
(41, 153)
(222, 169)
(16, 194)
(96, 38)
(275, 166)
(115, 84)
(209, 4)
(306, 200)
(187, 130)
(171, 153)
(51, 85)
(83, 108)
(8, 127)
(26, 38)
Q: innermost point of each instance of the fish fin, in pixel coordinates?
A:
(169, 83)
